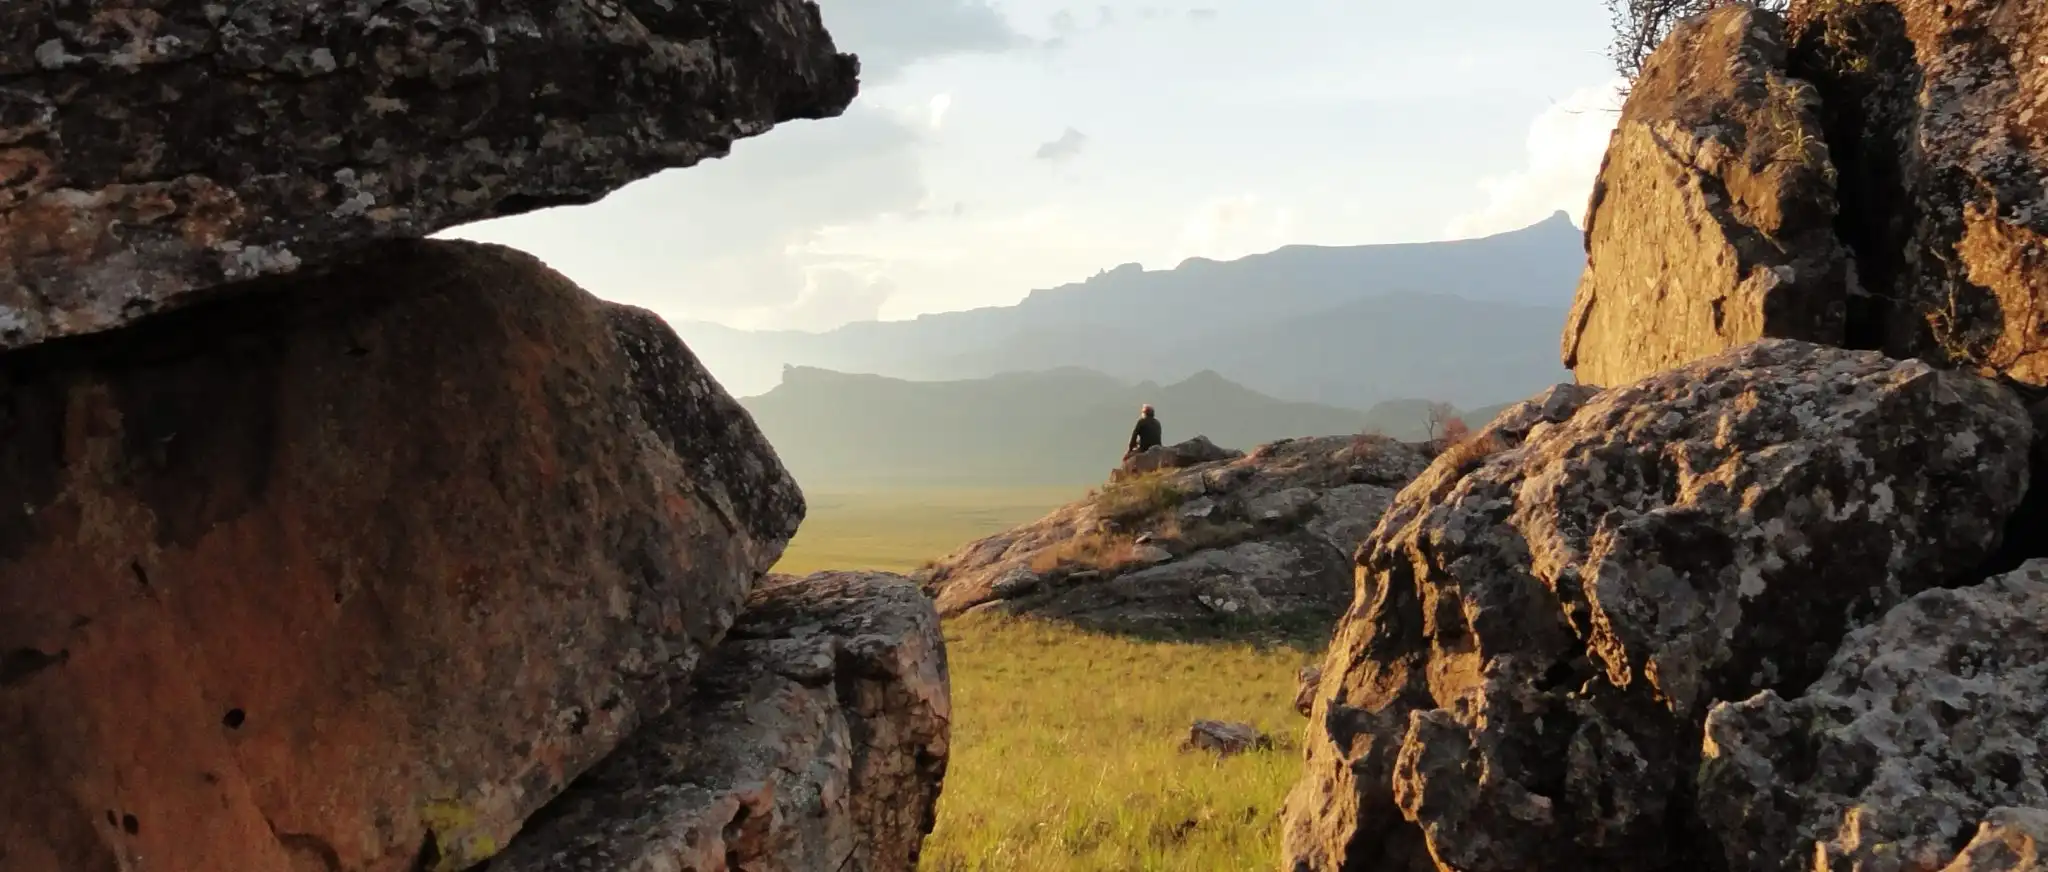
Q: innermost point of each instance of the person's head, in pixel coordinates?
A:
(1145, 410)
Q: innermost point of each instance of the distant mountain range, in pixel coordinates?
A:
(1065, 426)
(1469, 322)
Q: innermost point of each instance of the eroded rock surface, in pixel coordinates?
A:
(2010, 840)
(149, 151)
(1922, 725)
(1258, 541)
(1181, 455)
(815, 739)
(357, 570)
(1711, 222)
(1934, 110)
(1540, 631)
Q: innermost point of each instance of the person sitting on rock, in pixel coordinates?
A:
(1145, 436)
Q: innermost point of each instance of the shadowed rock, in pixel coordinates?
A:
(1933, 109)
(1923, 725)
(358, 569)
(1711, 223)
(1540, 631)
(815, 739)
(151, 151)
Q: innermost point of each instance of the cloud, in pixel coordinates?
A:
(1064, 148)
(935, 113)
(1564, 150)
(891, 35)
(1203, 14)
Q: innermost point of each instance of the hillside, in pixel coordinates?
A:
(1065, 426)
(1468, 321)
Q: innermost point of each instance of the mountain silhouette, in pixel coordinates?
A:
(1468, 322)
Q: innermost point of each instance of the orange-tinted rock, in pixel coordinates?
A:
(355, 572)
(1712, 222)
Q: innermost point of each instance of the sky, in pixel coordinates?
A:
(999, 146)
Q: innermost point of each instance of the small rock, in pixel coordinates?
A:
(1150, 555)
(1225, 738)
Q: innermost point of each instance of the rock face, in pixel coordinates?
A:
(356, 570)
(1934, 111)
(1922, 725)
(152, 151)
(1711, 223)
(1254, 541)
(1539, 632)
(2011, 840)
(815, 739)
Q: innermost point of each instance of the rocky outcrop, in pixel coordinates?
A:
(1933, 110)
(815, 739)
(1712, 220)
(1193, 452)
(1922, 726)
(1258, 541)
(1543, 623)
(151, 152)
(357, 569)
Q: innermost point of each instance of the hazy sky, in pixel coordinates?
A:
(1004, 145)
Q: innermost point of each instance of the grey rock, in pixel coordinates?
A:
(151, 152)
(816, 738)
(1541, 628)
(1225, 738)
(1923, 724)
(1257, 538)
(1712, 221)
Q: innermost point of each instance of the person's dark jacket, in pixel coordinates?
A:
(1145, 435)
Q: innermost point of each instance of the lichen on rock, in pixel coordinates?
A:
(151, 153)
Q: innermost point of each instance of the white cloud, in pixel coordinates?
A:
(1564, 150)
(935, 115)
(1066, 147)
(891, 35)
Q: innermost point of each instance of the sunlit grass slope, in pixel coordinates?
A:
(1065, 752)
(1065, 743)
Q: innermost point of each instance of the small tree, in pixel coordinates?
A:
(1440, 414)
(1641, 25)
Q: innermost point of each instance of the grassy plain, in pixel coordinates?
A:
(1065, 743)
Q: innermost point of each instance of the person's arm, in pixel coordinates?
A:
(1135, 430)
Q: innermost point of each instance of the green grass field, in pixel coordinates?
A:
(1065, 743)
(895, 530)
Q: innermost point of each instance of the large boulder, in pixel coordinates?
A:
(1933, 111)
(1245, 543)
(815, 739)
(1541, 625)
(1181, 455)
(1711, 222)
(1923, 726)
(150, 151)
(358, 569)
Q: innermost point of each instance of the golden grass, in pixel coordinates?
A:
(1138, 499)
(897, 530)
(1065, 745)
(1065, 752)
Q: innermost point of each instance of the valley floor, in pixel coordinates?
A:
(1064, 741)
